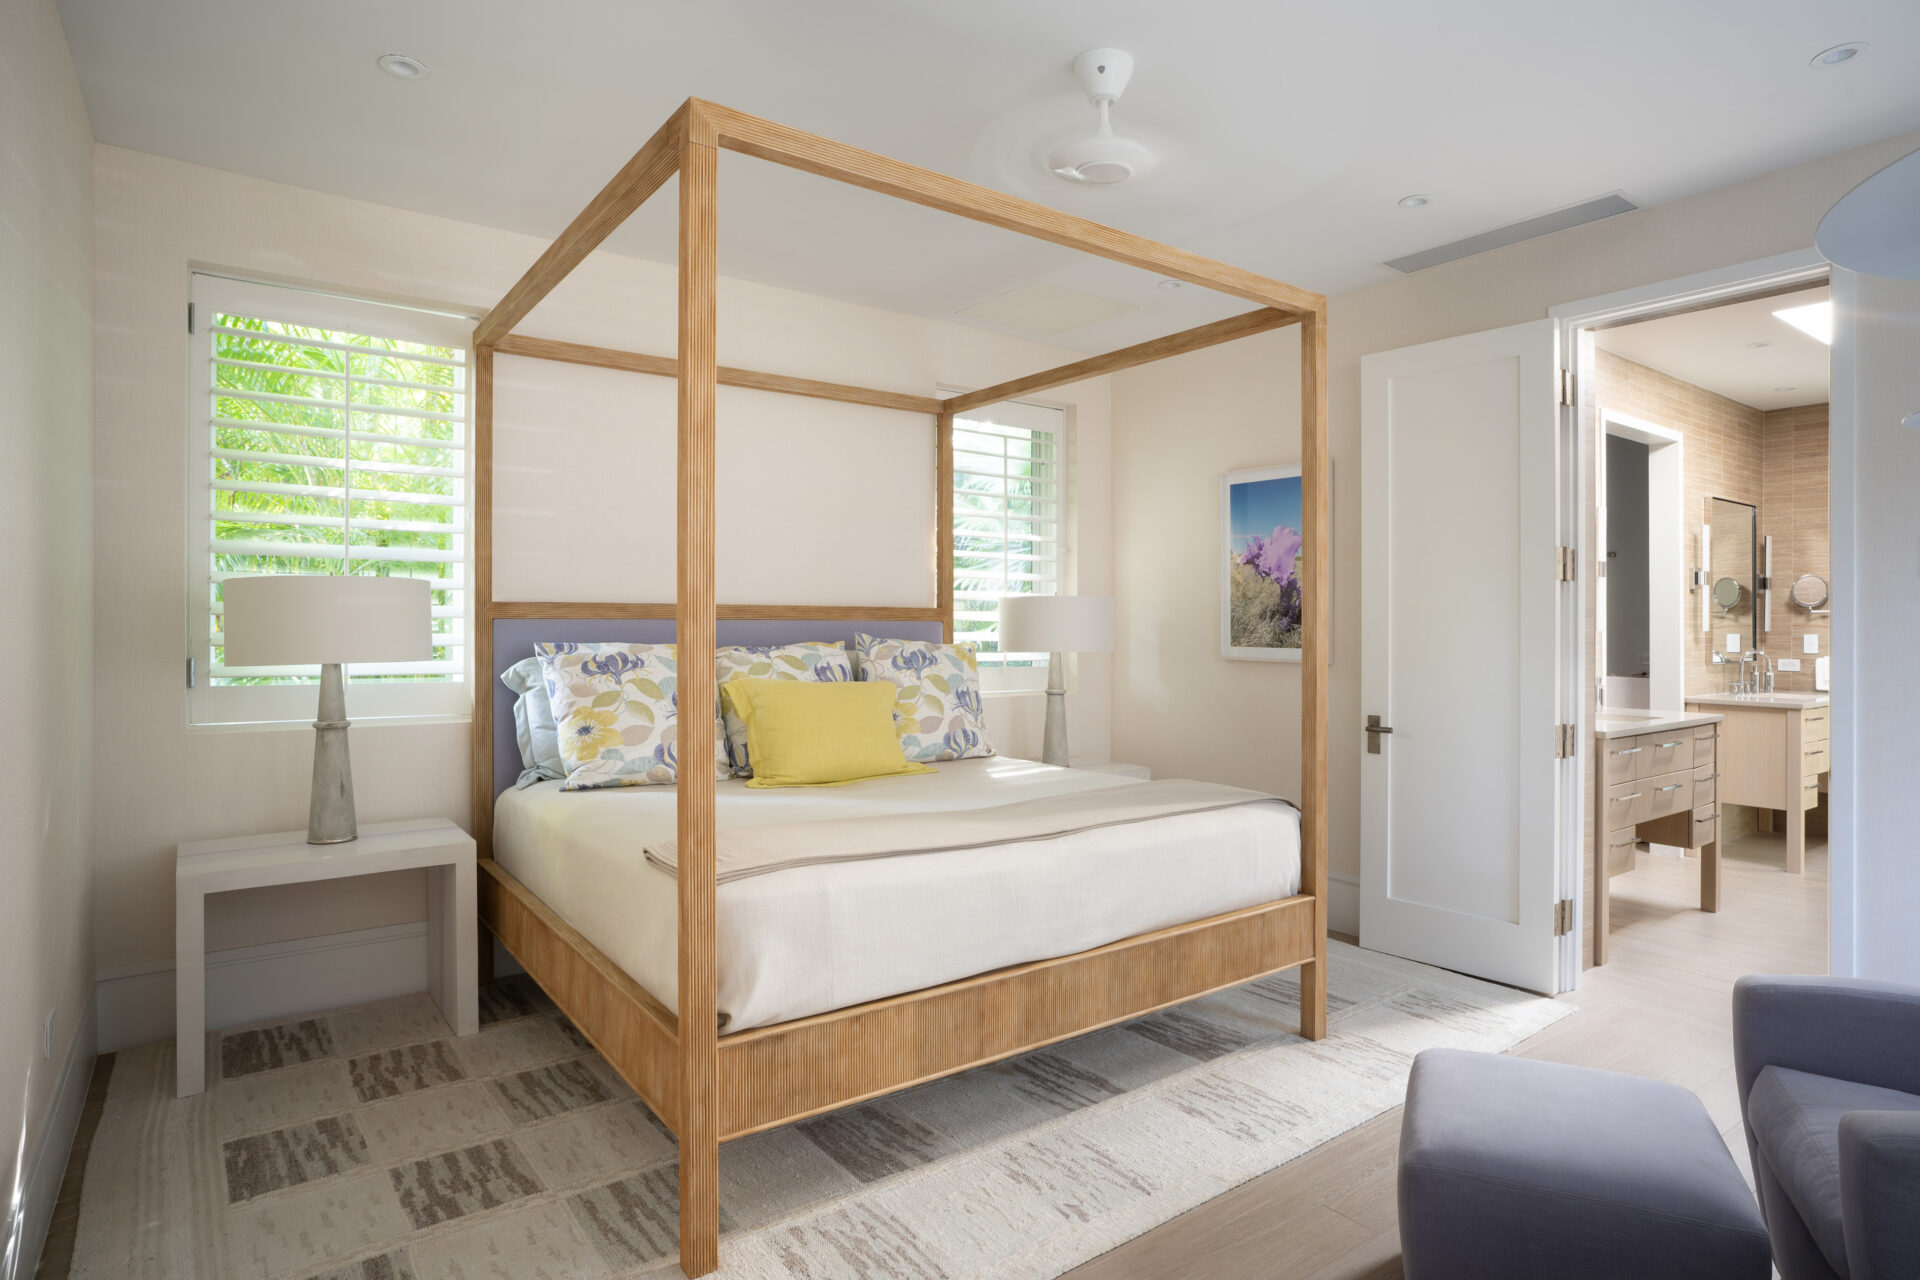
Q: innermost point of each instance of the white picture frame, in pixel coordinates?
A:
(1259, 510)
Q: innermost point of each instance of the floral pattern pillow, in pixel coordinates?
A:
(824, 661)
(616, 708)
(937, 707)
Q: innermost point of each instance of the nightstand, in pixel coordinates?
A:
(1140, 771)
(248, 862)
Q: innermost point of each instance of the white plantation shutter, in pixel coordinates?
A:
(326, 435)
(1009, 497)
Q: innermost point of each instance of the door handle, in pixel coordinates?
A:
(1374, 730)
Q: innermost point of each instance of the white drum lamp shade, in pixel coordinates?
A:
(1054, 625)
(308, 620)
(323, 620)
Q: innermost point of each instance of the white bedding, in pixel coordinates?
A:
(808, 939)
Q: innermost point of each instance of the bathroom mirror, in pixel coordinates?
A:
(1809, 591)
(1735, 548)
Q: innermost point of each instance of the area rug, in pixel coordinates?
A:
(370, 1144)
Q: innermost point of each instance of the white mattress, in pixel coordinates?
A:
(809, 939)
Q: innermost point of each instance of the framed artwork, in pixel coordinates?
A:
(1260, 564)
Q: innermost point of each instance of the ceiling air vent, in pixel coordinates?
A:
(1531, 228)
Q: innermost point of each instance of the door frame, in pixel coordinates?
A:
(1696, 292)
(1666, 547)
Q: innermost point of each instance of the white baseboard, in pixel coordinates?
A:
(48, 1163)
(1343, 903)
(275, 980)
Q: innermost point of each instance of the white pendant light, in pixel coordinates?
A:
(1101, 158)
(1875, 228)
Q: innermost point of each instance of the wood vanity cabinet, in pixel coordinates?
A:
(1773, 756)
(1661, 786)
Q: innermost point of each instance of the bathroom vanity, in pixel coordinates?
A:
(1774, 754)
(1657, 779)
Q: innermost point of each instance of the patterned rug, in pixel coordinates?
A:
(370, 1144)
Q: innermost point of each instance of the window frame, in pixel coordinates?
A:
(293, 705)
(1028, 672)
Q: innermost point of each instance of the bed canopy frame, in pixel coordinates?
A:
(708, 1088)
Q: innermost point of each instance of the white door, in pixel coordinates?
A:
(1461, 518)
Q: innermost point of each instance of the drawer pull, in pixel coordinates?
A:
(1630, 751)
(1621, 844)
(1663, 746)
(1813, 753)
(1698, 821)
(1675, 787)
(1709, 778)
(1621, 799)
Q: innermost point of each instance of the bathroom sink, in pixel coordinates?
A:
(1762, 699)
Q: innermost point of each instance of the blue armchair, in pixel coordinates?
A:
(1829, 1076)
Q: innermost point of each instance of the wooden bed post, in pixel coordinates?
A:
(943, 519)
(694, 638)
(1315, 532)
(480, 609)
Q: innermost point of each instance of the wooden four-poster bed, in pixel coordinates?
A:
(707, 1087)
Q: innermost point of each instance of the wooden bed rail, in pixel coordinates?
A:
(707, 1087)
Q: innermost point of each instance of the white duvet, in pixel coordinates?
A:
(808, 939)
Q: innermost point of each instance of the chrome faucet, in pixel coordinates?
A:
(1762, 680)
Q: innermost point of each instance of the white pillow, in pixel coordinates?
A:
(533, 724)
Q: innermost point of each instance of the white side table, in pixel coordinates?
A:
(247, 862)
(1140, 771)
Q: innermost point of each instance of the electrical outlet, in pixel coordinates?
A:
(1810, 643)
(48, 1036)
(1788, 664)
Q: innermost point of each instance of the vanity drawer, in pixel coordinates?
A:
(1706, 788)
(1810, 794)
(1627, 805)
(1622, 759)
(1815, 725)
(1815, 759)
(1668, 793)
(1704, 741)
(1706, 827)
(1619, 851)
(1663, 753)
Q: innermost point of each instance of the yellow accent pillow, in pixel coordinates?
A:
(805, 733)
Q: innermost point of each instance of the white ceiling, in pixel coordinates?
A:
(1716, 349)
(1288, 129)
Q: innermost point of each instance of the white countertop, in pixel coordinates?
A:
(1625, 722)
(1778, 701)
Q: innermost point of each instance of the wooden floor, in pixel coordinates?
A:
(1661, 1007)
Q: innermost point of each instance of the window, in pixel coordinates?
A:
(326, 435)
(1009, 496)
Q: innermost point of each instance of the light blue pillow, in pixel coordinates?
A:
(533, 724)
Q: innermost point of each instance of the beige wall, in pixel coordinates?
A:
(156, 219)
(1794, 479)
(1169, 675)
(47, 786)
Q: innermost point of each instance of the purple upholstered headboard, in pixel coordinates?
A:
(514, 638)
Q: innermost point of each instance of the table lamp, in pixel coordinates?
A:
(1055, 626)
(304, 620)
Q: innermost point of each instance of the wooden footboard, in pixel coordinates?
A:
(769, 1076)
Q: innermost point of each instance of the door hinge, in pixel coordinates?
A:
(1566, 386)
(1563, 917)
(1569, 567)
(190, 315)
(189, 673)
(1564, 741)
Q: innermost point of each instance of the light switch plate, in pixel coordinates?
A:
(1733, 643)
(1789, 664)
(1810, 644)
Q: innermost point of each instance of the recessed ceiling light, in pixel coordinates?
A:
(1786, 388)
(401, 67)
(1170, 284)
(1415, 202)
(1838, 54)
(1755, 346)
(1815, 320)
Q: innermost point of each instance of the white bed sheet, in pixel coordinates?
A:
(809, 939)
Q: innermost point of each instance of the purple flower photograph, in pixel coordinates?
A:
(1260, 575)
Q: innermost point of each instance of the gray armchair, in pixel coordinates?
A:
(1829, 1076)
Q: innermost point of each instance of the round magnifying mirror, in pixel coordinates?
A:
(1809, 591)
(1727, 592)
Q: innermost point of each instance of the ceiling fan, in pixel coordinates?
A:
(1101, 158)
